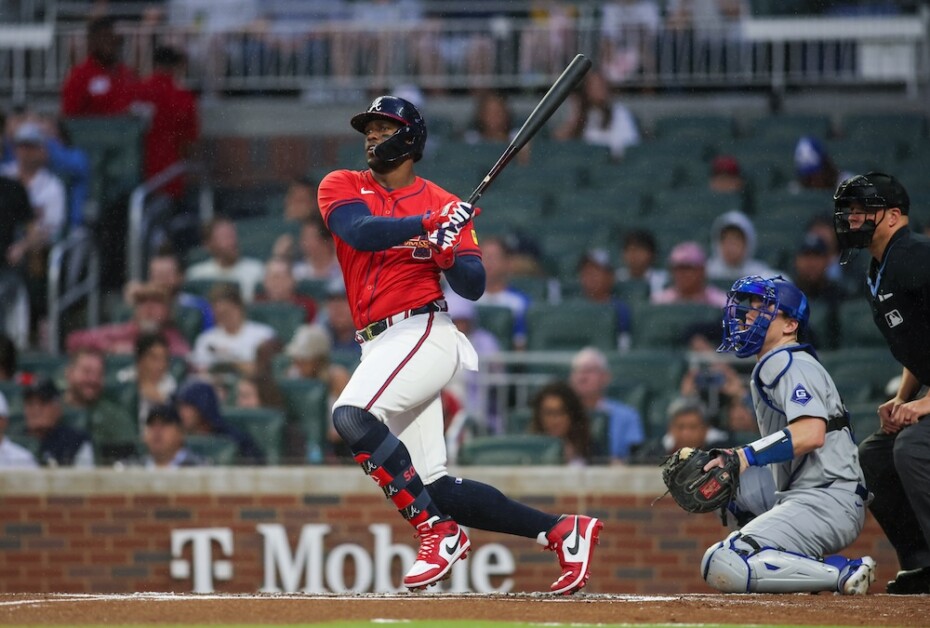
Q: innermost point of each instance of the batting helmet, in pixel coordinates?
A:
(871, 192)
(746, 339)
(410, 140)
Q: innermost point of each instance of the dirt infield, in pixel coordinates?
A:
(156, 608)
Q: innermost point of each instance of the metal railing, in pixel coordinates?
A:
(140, 222)
(73, 276)
(320, 59)
(14, 306)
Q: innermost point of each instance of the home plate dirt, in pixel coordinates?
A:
(167, 608)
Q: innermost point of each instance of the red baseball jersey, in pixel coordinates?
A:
(94, 90)
(382, 283)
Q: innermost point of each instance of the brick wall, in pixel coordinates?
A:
(110, 531)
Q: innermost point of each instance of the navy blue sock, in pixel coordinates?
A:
(481, 506)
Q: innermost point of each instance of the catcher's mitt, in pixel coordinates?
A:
(696, 490)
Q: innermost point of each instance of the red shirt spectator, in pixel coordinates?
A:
(174, 126)
(101, 85)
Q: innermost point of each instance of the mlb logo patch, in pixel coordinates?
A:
(800, 395)
(894, 318)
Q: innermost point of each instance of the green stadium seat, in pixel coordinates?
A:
(536, 287)
(861, 374)
(664, 325)
(511, 450)
(41, 363)
(498, 320)
(857, 327)
(284, 318)
(114, 146)
(697, 205)
(790, 126)
(265, 425)
(13, 392)
(905, 130)
(571, 326)
(703, 126)
(202, 287)
(215, 449)
(256, 236)
(657, 369)
(306, 403)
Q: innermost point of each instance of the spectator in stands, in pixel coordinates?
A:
(725, 175)
(596, 277)
(279, 287)
(722, 389)
(628, 31)
(595, 117)
(18, 234)
(687, 427)
(164, 438)
(688, 262)
(589, 377)
(225, 263)
(496, 255)
(814, 168)
(174, 124)
(59, 444)
(101, 85)
(165, 272)
(548, 45)
(300, 205)
(199, 408)
(46, 191)
(848, 276)
(150, 374)
(151, 313)
(12, 456)
(318, 252)
(734, 240)
(338, 318)
(233, 343)
(309, 352)
(639, 251)
(558, 412)
(113, 428)
(812, 276)
(492, 120)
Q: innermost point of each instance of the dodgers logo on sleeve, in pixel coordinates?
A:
(800, 395)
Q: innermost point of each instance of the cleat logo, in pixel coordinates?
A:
(573, 550)
(369, 467)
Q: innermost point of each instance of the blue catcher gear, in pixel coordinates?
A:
(869, 193)
(746, 339)
(410, 139)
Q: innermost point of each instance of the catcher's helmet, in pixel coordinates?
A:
(871, 192)
(777, 293)
(403, 112)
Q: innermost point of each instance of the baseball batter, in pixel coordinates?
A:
(395, 233)
(807, 443)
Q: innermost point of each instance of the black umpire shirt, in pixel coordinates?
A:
(899, 288)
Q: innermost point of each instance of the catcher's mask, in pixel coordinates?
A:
(868, 194)
(408, 141)
(773, 295)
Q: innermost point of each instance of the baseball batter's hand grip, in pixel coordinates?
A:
(567, 81)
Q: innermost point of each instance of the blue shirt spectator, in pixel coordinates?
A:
(589, 378)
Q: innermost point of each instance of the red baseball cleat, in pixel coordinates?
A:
(442, 542)
(573, 539)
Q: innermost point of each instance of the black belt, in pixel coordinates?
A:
(379, 327)
(860, 490)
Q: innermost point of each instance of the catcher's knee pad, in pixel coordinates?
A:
(739, 565)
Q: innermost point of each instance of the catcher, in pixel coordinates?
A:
(807, 443)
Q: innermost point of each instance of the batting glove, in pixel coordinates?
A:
(443, 238)
(455, 215)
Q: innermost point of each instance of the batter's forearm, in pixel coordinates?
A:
(355, 225)
(466, 277)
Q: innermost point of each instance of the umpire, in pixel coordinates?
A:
(871, 211)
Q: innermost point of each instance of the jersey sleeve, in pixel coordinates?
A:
(336, 189)
(802, 390)
(914, 271)
(468, 241)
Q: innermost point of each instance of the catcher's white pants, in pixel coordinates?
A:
(399, 378)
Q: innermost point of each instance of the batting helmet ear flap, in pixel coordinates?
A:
(401, 145)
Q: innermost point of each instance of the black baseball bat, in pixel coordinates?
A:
(567, 81)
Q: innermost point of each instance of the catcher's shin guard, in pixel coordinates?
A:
(739, 565)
